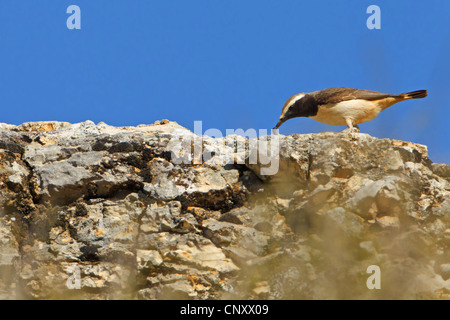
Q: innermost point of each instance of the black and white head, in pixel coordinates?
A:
(299, 105)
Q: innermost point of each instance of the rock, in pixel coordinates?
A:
(61, 174)
(350, 224)
(226, 234)
(388, 222)
(262, 289)
(209, 256)
(441, 169)
(9, 257)
(92, 211)
(381, 196)
(368, 247)
(148, 259)
(42, 126)
(445, 270)
(167, 218)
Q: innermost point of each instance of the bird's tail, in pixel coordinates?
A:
(415, 94)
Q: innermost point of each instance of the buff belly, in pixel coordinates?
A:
(357, 111)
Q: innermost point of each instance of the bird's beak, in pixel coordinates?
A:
(278, 124)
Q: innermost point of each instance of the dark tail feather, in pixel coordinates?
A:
(415, 94)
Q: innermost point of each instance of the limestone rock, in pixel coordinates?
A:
(92, 211)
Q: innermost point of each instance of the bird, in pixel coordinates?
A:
(340, 106)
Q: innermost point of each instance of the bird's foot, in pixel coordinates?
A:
(351, 132)
(353, 129)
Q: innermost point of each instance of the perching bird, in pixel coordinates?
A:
(342, 106)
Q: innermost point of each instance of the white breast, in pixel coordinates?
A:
(358, 111)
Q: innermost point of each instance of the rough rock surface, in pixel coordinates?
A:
(95, 211)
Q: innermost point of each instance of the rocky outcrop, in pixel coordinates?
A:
(95, 211)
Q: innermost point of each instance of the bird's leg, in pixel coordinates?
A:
(350, 127)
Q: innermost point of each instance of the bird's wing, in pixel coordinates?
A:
(335, 95)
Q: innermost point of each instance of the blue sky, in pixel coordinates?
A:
(231, 64)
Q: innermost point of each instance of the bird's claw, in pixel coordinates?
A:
(354, 129)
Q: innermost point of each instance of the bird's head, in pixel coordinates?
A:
(291, 109)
